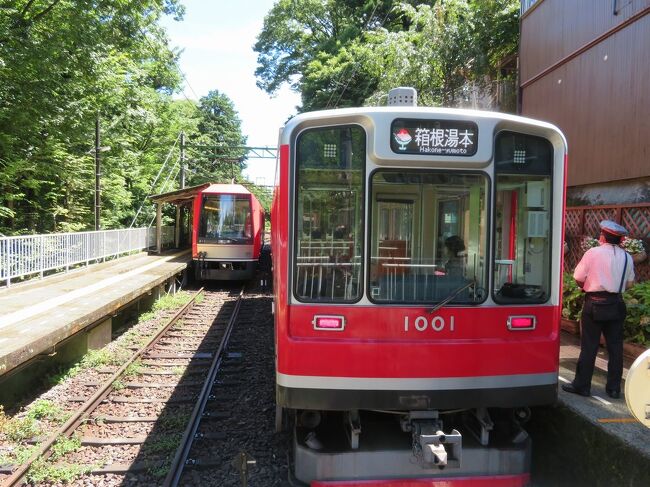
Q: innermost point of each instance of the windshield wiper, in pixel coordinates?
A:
(451, 296)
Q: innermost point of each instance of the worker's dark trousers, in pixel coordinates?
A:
(590, 340)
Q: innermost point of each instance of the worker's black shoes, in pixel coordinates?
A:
(613, 393)
(570, 388)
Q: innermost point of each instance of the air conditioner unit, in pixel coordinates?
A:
(537, 224)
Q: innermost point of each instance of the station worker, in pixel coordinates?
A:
(603, 273)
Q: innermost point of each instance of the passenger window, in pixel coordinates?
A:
(329, 214)
(522, 254)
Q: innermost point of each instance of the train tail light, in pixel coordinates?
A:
(517, 323)
(328, 322)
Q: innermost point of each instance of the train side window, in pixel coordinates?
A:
(522, 216)
(328, 243)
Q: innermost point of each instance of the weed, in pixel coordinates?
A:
(17, 456)
(174, 421)
(63, 446)
(19, 429)
(135, 368)
(146, 316)
(178, 370)
(118, 385)
(44, 409)
(164, 445)
(159, 471)
(170, 301)
(41, 471)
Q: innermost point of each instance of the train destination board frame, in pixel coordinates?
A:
(434, 137)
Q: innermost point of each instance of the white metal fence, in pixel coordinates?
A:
(30, 255)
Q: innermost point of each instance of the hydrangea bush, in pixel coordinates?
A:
(632, 245)
(588, 243)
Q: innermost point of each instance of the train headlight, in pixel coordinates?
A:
(328, 322)
(521, 323)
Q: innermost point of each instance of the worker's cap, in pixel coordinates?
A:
(613, 228)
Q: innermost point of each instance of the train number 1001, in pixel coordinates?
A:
(436, 323)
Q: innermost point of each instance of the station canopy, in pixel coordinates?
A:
(180, 196)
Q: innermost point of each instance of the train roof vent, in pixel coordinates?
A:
(404, 96)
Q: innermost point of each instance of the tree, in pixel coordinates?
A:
(216, 152)
(303, 44)
(63, 63)
(341, 53)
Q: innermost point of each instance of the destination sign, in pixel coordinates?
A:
(434, 137)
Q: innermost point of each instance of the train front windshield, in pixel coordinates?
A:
(428, 236)
(226, 219)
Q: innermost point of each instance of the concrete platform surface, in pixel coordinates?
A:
(610, 415)
(38, 315)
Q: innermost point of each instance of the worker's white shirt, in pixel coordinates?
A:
(601, 269)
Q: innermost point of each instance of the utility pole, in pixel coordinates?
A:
(97, 174)
(182, 162)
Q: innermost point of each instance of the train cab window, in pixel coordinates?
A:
(328, 245)
(522, 253)
(428, 237)
(226, 219)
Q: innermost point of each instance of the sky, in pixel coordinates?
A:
(216, 38)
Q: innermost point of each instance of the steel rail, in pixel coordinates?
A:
(92, 403)
(180, 458)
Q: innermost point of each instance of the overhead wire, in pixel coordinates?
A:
(356, 64)
(153, 185)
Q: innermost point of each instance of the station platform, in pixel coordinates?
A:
(610, 416)
(38, 315)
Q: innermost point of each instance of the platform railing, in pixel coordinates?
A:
(33, 255)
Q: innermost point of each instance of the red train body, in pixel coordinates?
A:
(227, 233)
(417, 259)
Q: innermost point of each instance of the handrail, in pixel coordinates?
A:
(29, 255)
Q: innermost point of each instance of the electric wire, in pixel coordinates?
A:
(155, 180)
(356, 64)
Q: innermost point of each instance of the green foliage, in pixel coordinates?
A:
(166, 444)
(171, 301)
(573, 298)
(636, 327)
(62, 63)
(637, 321)
(20, 429)
(41, 471)
(17, 456)
(216, 150)
(340, 53)
(45, 409)
(63, 446)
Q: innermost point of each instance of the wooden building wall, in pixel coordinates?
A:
(588, 71)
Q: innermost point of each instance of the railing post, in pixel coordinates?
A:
(8, 268)
(42, 255)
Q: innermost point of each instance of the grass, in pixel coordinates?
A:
(159, 471)
(17, 456)
(134, 368)
(63, 446)
(41, 471)
(45, 409)
(18, 429)
(164, 445)
(171, 301)
(174, 421)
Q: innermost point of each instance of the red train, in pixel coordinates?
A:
(417, 274)
(227, 232)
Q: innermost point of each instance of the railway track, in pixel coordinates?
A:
(133, 420)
